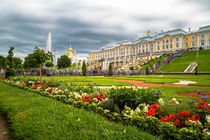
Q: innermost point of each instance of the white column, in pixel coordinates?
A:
(206, 44)
(198, 40)
(180, 43)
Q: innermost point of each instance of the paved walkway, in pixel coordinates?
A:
(4, 132)
(143, 84)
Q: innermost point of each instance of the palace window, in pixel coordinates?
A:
(171, 40)
(166, 41)
(158, 48)
(202, 42)
(193, 43)
(171, 46)
(186, 38)
(186, 44)
(158, 42)
(202, 35)
(209, 34)
(177, 45)
(209, 41)
(167, 46)
(193, 37)
(177, 39)
(163, 41)
(163, 46)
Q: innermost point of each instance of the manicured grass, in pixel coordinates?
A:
(181, 63)
(150, 63)
(173, 91)
(32, 116)
(202, 80)
(84, 80)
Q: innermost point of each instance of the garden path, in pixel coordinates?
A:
(143, 84)
(4, 132)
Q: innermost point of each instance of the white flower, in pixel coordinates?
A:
(137, 110)
(84, 94)
(208, 119)
(95, 100)
(161, 101)
(106, 111)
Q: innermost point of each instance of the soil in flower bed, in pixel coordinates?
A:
(4, 132)
(194, 94)
(143, 84)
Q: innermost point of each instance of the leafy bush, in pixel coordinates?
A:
(132, 97)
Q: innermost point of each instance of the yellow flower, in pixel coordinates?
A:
(78, 120)
(135, 89)
(125, 87)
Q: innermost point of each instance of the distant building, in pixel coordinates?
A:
(128, 51)
(72, 55)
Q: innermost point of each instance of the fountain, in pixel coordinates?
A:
(49, 43)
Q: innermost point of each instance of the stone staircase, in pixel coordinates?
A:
(191, 67)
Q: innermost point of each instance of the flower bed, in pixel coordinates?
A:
(140, 107)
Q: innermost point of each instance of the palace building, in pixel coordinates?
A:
(125, 53)
(72, 55)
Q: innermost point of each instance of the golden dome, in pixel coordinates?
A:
(70, 49)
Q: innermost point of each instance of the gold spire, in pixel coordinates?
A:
(70, 50)
(66, 53)
(75, 52)
(148, 32)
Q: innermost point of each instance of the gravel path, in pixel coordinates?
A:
(143, 84)
(4, 132)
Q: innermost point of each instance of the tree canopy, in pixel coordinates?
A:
(63, 62)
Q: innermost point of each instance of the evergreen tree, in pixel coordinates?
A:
(110, 69)
(147, 71)
(196, 70)
(84, 68)
(10, 69)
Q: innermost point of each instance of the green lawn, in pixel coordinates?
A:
(84, 80)
(202, 80)
(32, 116)
(181, 63)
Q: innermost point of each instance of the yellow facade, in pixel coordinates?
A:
(169, 41)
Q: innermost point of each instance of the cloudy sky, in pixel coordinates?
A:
(90, 24)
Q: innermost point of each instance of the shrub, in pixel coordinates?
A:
(132, 97)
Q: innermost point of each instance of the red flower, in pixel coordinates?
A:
(171, 116)
(24, 84)
(62, 89)
(186, 113)
(51, 90)
(43, 50)
(3, 78)
(177, 122)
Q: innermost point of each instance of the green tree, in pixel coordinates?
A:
(3, 63)
(131, 68)
(30, 62)
(196, 70)
(84, 68)
(49, 64)
(63, 62)
(110, 69)
(10, 69)
(41, 57)
(17, 62)
(147, 71)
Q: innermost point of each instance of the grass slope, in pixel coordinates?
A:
(32, 116)
(181, 63)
